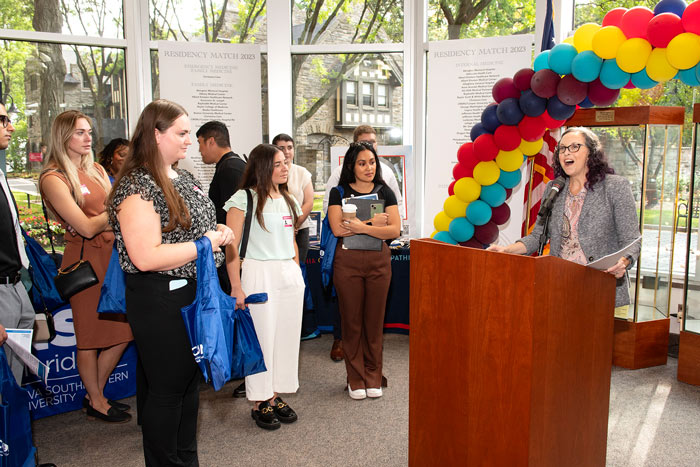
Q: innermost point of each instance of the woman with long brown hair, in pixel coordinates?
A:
(74, 188)
(271, 265)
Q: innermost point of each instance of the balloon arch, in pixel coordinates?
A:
(633, 48)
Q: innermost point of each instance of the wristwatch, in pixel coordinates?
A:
(630, 259)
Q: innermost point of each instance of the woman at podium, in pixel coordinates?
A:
(593, 215)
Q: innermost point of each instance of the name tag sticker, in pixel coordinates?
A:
(177, 284)
(288, 221)
(84, 190)
(198, 190)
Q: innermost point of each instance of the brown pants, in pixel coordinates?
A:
(362, 279)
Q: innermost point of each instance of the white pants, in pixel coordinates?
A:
(277, 324)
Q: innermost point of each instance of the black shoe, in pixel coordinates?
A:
(240, 390)
(284, 412)
(265, 416)
(115, 404)
(113, 415)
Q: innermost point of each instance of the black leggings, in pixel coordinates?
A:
(169, 418)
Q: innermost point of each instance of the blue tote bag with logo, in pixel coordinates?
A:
(16, 447)
(247, 358)
(113, 293)
(43, 270)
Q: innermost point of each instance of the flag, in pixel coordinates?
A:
(548, 30)
(540, 166)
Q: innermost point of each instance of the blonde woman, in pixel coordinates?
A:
(75, 188)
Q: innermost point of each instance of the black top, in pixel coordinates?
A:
(227, 177)
(384, 193)
(10, 261)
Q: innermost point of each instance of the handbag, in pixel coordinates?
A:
(327, 252)
(45, 298)
(247, 358)
(76, 277)
(16, 446)
(113, 293)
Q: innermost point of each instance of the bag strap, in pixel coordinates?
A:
(246, 227)
(48, 230)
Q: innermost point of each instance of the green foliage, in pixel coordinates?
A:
(594, 11)
(459, 19)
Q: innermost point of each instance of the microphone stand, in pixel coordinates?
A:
(545, 232)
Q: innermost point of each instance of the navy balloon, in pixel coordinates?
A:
(531, 104)
(477, 130)
(509, 112)
(489, 118)
(586, 103)
(670, 6)
(558, 110)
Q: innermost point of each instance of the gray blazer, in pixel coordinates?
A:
(608, 222)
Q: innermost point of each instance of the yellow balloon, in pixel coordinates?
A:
(633, 54)
(658, 67)
(467, 189)
(509, 160)
(683, 51)
(583, 37)
(486, 173)
(607, 40)
(569, 40)
(442, 222)
(530, 148)
(432, 235)
(455, 207)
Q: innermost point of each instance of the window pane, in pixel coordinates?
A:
(100, 18)
(322, 118)
(347, 21)
(351, 92)
(381, 95)
(452, 19)
(194, 20)
(367, 94)
(89, 79)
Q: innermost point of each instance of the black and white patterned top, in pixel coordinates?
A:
(198, 203)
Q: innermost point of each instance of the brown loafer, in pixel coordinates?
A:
(337, 351)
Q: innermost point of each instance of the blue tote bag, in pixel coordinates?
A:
(16, 447)
(43, 270)
(112, 295)
(247, 356)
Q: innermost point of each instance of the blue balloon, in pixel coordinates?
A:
(461, 229)
(558, 110)
(670, 6)
(478, 212)
(494, 195)
(445, 237)
(612, 76)
(689, 76)
(541, 61)
(531, 104)
(508, 111)
(641, 80)
(477, 130)
(509, 179)
(586, 103)
(489, 118)
(560, 58)
(586, 66)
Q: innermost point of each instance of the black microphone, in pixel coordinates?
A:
(547, 202)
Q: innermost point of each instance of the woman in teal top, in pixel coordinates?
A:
(271, 265)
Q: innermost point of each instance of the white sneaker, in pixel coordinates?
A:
(357, 394)
(374, 392)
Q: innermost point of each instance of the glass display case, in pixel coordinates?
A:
(688, 219)
(643, 144)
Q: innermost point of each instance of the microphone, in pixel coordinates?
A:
(546, 206)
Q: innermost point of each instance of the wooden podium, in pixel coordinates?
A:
(510, 359)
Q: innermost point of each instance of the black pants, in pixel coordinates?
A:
(169, 418)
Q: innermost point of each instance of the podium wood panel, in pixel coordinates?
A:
(689, 358)
(510, 359)
(642, 344)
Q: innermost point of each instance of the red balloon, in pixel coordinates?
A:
(691, 18)
(635, 21)
(500, 214)
(503, 89)
(472, 243)
(613, 17)
(571, 91)
(522, 78)
(465, 153)
(507, 137)
(487, 233)
(662, 28)
(459, 171)
(630, 85)
(601, 96)
(485, 148)
(451, 188)
(544, 83)
(550, 122)
(509, 191)
(532, 128)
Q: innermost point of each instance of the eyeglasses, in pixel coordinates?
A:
(5, 120)
(572, 148)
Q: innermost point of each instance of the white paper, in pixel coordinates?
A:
(18, 343)
(606, 262)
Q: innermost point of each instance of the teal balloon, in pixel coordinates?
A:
(689, 76)
(445, 237)
(560, 58)
(586, 66)
(541, 61)
(478, 212)
(494, 195)
(612, 76)
(461, 229)
(509, 179)
(641, 80)
(697, 71)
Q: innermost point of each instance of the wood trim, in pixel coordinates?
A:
(696, 113)
(689, 356)
(628, 116)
